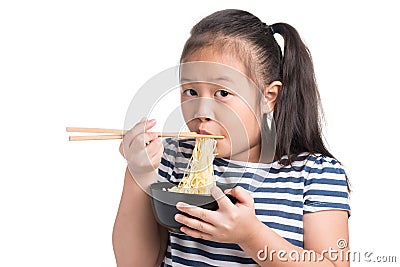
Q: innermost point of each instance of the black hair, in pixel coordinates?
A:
(297, 112)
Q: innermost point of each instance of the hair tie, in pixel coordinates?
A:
(267, 27)
(272, 29)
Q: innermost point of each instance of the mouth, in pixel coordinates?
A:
(203, 131)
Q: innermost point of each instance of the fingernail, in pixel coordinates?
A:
(181, 205)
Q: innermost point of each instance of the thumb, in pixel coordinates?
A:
(242, 196)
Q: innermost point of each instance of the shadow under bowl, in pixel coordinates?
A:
(164, 203)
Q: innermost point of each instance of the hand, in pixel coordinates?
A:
(141, 149)
(229, 224)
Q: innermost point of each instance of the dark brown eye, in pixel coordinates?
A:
(190, 92)
(222, 93)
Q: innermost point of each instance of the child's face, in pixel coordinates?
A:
(217, 98)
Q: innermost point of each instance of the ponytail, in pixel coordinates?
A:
(298, 107)
(296, 113)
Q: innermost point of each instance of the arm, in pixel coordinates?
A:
(322, 230)
(136, 235)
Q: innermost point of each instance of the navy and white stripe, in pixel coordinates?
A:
(282, 195)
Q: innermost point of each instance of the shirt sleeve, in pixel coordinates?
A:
(325, 186)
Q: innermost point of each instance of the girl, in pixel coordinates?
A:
(297, 215)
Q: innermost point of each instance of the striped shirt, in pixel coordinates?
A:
(282, 194)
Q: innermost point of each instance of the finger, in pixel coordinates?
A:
(222, 200)
(196, 224)
(242, 195)
(155, 148)
(202, 214)
(195, 233)
(155, 151)
(139, 128)
(143, 140)
(148, 138)
(146, 155)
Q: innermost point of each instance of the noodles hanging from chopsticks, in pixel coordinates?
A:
(199, 175)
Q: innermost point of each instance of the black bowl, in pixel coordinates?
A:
(164, 203)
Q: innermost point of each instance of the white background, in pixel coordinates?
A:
(79, 63)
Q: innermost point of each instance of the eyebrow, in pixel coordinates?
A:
(215, 80)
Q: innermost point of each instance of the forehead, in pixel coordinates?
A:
(211, 67)
(211, 54)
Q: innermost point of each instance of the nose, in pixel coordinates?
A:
(205, 110)
(203, 119)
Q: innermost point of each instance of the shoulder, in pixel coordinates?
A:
(319, 164)
(311, 164)
(319, 169)
(324, 170)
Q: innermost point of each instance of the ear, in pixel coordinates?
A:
(270, 95)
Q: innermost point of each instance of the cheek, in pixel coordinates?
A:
(251, 122)
(187, 111)
(253, 127)
(242, 123)
(242, 130)
(191, 124)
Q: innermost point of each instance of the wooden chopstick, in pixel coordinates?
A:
(94, 130)
(196, 136)
(116, 136)
(95, 137)
(117, 131)
(119, 134)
